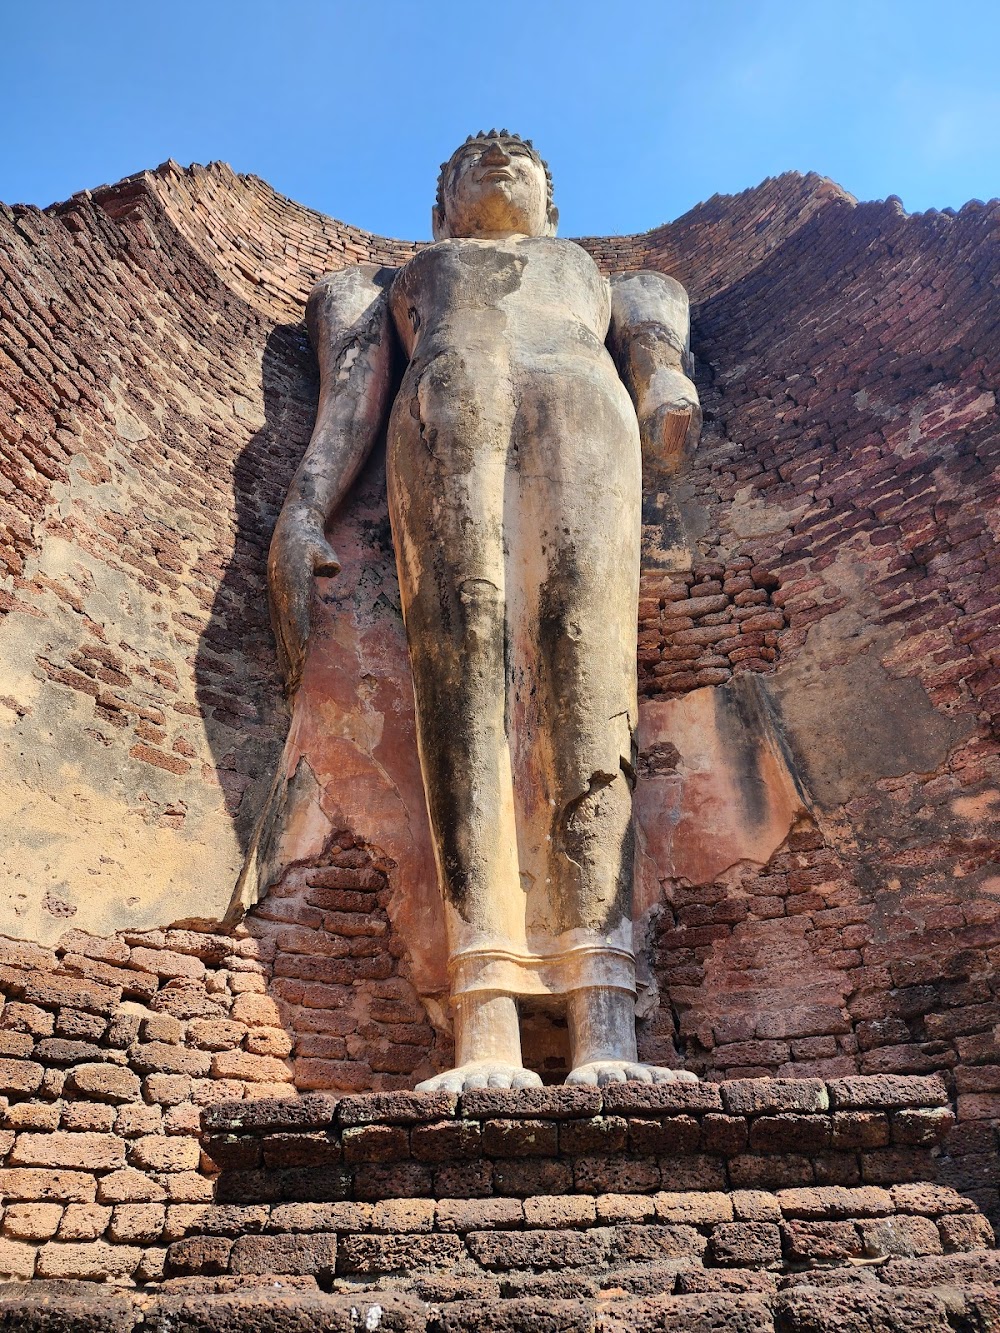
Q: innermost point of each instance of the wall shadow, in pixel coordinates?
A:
(237, 680)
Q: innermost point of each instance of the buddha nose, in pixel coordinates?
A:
(496, 155)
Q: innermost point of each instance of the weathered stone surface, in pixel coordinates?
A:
(314, 1254)
(899, 1237)
(285, 1311)
(199, 1255)
(554, 1212)
(464, 1215)
(511, 1316)
(20, 1076)
(42, 1184)
(66, 1307)
(807, 1310)
(781, 507)
(60, 1150)
(95, 1261)
(748, 1244)
(834, 1201)
(106, 1083)
(750, 1096)
(387, 1254)
(538, 1249)
(699, 1208)
(966, 1232)
(649, 1244)
(873, 1091)
(395, 1108)
(559, 1103)
(17, 1260)
(689, 1314)
(645, 1098)
(822, 1242)
(265, 1115)
(982, 1266)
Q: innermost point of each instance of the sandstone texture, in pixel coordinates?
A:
(343, 1193)
(818, 776)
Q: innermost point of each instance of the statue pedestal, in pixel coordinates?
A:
(626, 1200)
(756, 1204)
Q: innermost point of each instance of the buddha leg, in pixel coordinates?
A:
(448, 451)
(487, 1046)
(602, 1040)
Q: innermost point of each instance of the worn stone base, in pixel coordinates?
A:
(943, 1296)
(629, 1138)
(789, 1206)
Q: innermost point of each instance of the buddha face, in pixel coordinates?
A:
(494, 187)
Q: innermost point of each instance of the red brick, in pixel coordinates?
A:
(199, 1255)
(312, 1254)
(20, 1077)
(745, 1244)
(517, 1138)
(375, 1143)
(99, 1151)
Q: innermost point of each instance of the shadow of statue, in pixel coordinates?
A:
(237, 679)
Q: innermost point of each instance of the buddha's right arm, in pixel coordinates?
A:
(649, 338)
(351, 329)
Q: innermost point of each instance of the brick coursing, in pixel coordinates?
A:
(847, 357)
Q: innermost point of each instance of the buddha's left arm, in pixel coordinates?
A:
(650, 339)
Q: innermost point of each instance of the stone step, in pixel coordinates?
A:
(913, 1296)
(710, 1238)
(624, 1138)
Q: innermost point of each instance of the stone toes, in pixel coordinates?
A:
(639, 1073)
(473, 1082)
(585, 1077)
(673, 1076)
(526, 1078)
(611, 1074)
(499, 1078)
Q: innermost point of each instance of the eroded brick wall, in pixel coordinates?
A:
(842, 513)
(112, 1047)
(848, 467)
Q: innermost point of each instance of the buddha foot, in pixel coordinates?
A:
(599, 1072)
(481, 1074)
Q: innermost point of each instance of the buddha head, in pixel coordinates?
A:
(494, 185)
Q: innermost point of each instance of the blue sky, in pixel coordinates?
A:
(642, 107)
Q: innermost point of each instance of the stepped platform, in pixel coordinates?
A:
(685, 1205)
(785, 1206)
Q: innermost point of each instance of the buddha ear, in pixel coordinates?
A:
(551, 220)
(439, 227)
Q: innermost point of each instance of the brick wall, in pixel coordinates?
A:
(847, 479)
(156, 390)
